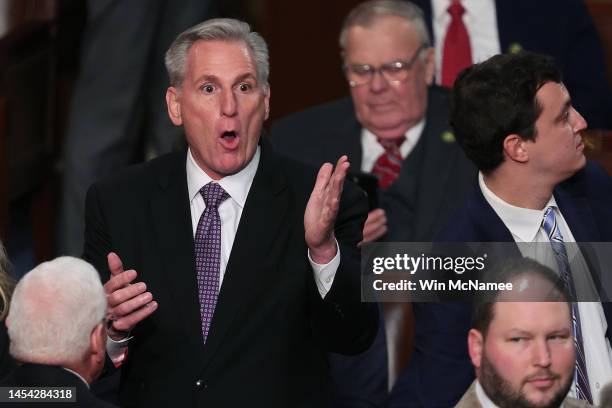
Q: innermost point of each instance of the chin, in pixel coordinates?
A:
(389, 131)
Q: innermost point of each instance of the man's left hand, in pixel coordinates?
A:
(322, 209)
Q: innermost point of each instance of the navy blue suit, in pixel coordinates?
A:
(440, 370)
(564, 30)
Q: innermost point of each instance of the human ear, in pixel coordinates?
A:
(173, 101)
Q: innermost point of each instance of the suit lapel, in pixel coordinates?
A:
(261, 219)
(489, 227)
(504, 16)
(351, 139)
(434, 173)
(582, 223)
(470, 398)
(346, 141)
(434, 168)
(578, 215)
(174, 236)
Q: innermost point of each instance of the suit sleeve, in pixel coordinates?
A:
(342, 323)
(97, 239)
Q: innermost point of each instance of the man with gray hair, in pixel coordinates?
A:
(393, 127)
(56, 325)
(255, 273)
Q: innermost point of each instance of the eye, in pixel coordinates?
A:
(394, 67)
(517, 339)
(361, 69)
(558, 337)
(245, 87)
(207, 88)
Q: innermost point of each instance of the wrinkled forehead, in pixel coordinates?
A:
(224, 60)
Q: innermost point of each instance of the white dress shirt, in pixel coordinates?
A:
(524, 225)
(238, 186)
(372, 149)
(483, 398)
(480, 19)
(78, 375)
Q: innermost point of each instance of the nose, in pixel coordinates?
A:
(541, 353)
(229, 104)
(379, 82)
(579, 122)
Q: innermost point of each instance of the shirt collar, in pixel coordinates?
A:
(439, 7)
(523, 223)
(412, 137)
(236, 185)
(483, 398)
(78, 375)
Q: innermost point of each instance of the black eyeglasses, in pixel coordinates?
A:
(393, 72)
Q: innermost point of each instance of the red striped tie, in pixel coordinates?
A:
(457, 53)
(388, 164)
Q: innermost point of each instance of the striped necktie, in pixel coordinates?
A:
(581, 377)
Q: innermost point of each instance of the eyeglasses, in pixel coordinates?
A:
(393, 72)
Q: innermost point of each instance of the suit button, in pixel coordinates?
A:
(201, 385)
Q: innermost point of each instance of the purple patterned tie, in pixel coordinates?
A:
(208, 253)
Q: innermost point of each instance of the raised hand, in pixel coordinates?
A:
(128, 303)
(322, 209)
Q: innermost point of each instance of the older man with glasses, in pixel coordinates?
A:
(394, 129)
(394, 126)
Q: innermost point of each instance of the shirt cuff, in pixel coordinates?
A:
(117, 349)
(324, 274)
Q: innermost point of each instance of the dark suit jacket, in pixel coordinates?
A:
(564, 30)
(434, 178)
(270, 330)
(440, 370)
(38, 375)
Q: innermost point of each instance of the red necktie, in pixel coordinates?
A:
(457, 52)
(388, 164)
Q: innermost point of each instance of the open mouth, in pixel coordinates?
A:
(229, 139)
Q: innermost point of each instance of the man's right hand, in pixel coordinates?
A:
(128, 303)
(375, 226)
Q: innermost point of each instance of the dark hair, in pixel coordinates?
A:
(496, 98)
(510, 270)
